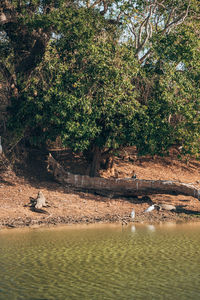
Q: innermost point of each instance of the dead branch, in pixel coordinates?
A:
(120, 187)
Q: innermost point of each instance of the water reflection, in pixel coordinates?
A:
(101, 262)
(133, 228)
(151, 228)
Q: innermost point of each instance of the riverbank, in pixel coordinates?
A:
(68, 206)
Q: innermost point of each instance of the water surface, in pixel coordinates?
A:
(101, 262)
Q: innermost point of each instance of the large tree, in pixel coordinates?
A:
(82, 91)
(103, 74)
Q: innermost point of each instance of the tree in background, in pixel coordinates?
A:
(103, 74)
(165, 37)
(169, 84)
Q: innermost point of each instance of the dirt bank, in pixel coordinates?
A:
(68, 206)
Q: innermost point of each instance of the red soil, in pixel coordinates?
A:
(68, 206)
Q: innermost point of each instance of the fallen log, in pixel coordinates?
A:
(120, 187)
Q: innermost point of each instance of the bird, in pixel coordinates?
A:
(150, 208)
(133, 214)
(1, 149)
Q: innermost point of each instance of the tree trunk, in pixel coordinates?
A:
(121, 187)
(95, 162)
(109, 165)
(109, 162)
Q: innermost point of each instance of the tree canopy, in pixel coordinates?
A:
(102, 75)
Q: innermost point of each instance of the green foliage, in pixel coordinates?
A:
(86, 95)
(88, 86)
(173, 108)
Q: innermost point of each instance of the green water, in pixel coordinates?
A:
(101, 262)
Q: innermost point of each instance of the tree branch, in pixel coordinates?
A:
(148, 31)
(95, 3)
(177, 21)
(146, 55)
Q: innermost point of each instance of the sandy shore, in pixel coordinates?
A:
(68, 206)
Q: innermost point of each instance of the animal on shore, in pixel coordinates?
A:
(40, 201)
(36, 204)
(168, 207)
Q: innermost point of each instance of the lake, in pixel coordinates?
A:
(110, 261)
